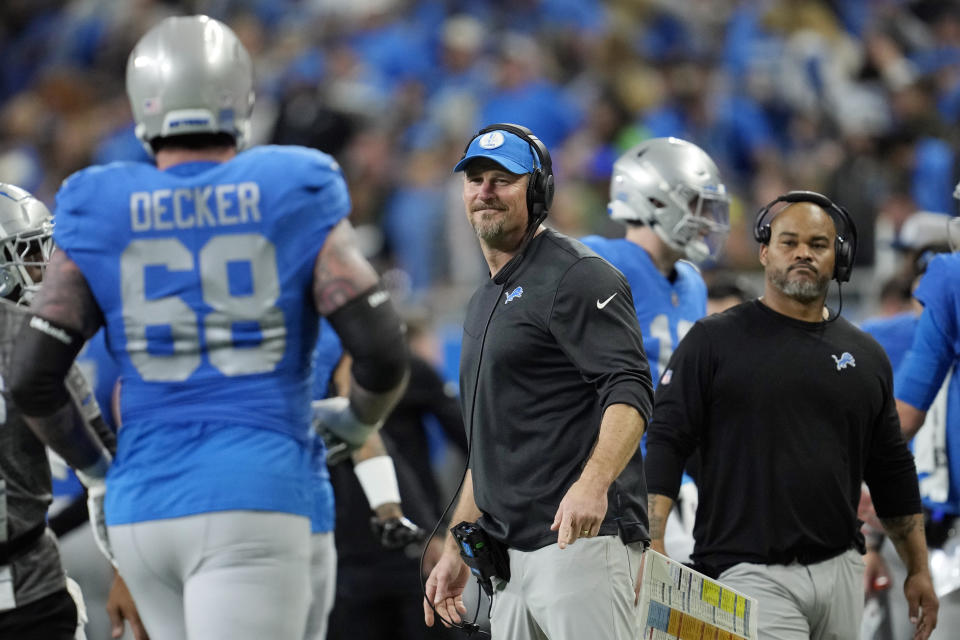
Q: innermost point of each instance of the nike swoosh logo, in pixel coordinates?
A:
(601, 305)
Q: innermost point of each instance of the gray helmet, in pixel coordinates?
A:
(190, 75)
(673, 187)
(26, 240)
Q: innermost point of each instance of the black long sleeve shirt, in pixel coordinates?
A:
(790, 417)
(544, 354)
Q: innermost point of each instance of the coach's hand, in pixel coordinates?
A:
(445, 587)
(581, 512)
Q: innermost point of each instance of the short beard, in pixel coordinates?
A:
(489, 229)
(804, 290)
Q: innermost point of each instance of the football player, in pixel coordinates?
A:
(36, 598)
(669, 194)
(209, 271)
(927, 388)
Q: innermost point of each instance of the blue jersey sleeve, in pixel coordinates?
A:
(321, 177)
(78, 208)
(939, 291)
(926, 364)
(70, 205)
(935, 344)
(326, 357)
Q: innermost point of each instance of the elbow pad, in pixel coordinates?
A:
(41, 358)
(373, 334)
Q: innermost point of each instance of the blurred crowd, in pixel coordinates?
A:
(858, 99)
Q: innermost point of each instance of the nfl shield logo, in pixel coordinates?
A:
(151, 106)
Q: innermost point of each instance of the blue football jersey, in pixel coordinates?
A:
(935, 352)
(326, 355)
(894, 333)
(203, 273)
(666, 310)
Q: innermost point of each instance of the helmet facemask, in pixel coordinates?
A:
(26, 243)
(673, 187)
(701, 231)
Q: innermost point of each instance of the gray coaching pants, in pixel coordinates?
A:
(242, 575)
(583, 591)
(821, 601)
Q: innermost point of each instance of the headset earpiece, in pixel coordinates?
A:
(845, 252)
(845, 245)
(762, 234)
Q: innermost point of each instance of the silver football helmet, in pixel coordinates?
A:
(673, 187)
(26, 240)
(190, 75)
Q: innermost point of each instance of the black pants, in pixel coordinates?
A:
(53, 617)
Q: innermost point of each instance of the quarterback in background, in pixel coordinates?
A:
(669, 194)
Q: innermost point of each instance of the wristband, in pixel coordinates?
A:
(378, 478)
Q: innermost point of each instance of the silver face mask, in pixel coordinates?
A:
(673, 187)
(190, 75)
(26, 243)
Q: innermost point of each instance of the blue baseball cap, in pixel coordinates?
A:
(509, 150)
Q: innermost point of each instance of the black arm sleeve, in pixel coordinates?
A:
(373, 334)
(106, 435)
(41, 358)
(678, 415)
(70, 517)
(603, 340)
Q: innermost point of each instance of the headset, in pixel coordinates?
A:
(540, 187)
(845, 245)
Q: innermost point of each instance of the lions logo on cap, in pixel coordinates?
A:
(491, 140)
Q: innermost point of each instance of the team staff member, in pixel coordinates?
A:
(555, 392)
(791, 412)
(209, 271)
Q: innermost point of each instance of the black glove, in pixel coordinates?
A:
(396, 533)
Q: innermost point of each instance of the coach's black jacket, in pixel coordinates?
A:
(544, 354)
